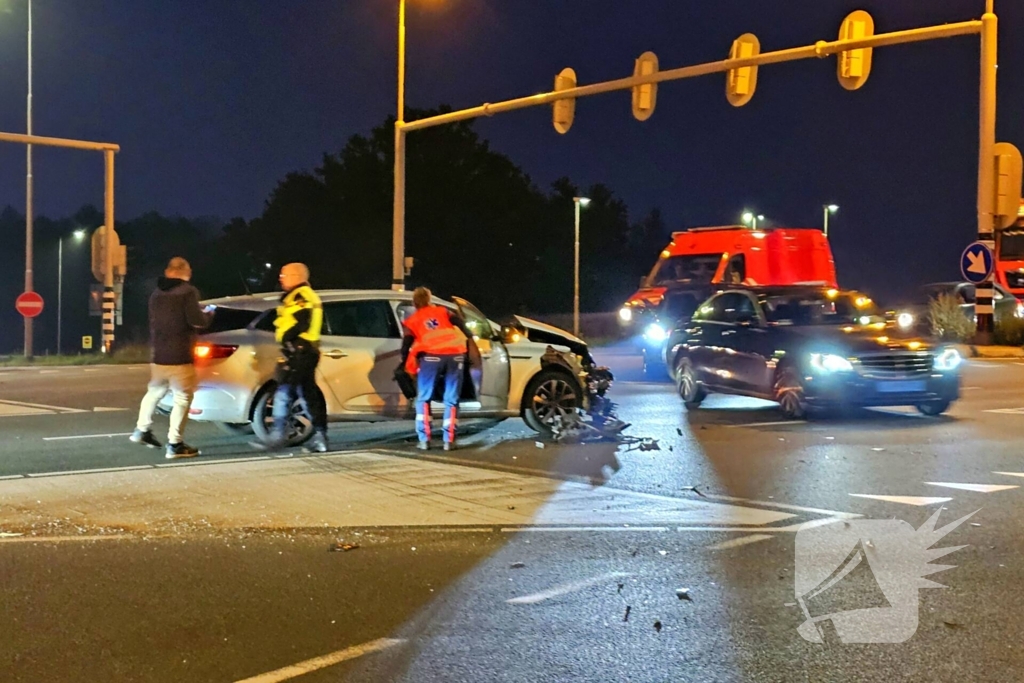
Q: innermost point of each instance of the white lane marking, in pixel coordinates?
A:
(781, 506)
(1007, 411)
(773, 423)
(103, 409)
(1011, 474)
(977, 488)
(92, 370)
(12, 476)
(65, 539)
(906, 500)
(26, 404)
(558, 591)
(48, 372)
(741, 541)
(37, 475)
(85, 436)
(317, 663)
(517, 529)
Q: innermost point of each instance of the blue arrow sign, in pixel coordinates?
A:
(977, 262)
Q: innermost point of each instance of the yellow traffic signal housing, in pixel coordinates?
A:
(564, 110)
(1008, 184)
(854, 66)
(740, 83)
(645, 96)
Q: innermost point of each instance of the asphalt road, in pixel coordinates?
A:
(506, 561)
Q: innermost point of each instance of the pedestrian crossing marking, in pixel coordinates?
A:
(905, 500)
(977, 488)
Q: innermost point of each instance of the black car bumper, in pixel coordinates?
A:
(851, 389)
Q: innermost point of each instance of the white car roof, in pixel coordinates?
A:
(265, 300)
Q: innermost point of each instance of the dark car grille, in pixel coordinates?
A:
(1014, 279)
(895, 365)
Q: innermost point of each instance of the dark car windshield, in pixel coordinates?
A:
(225, 319)
(816, 309)
(680, 305)
(688, 269)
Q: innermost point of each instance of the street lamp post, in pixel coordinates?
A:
(828, 209)
(751, 219)
(577, 203)
(398, 210)
(78, 235)
(29, 284)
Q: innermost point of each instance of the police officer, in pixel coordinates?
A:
(297, 330)
(435, 346)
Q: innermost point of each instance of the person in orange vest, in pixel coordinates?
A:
(434, 346)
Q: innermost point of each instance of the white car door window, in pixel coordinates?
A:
(359, 352)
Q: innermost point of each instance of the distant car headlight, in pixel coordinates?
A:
(656, 333)
(905, 320)
(626, 314)
(948, 359)
(829, 362)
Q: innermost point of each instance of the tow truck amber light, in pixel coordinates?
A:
(206, 352)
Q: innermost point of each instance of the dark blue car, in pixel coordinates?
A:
(807, 348)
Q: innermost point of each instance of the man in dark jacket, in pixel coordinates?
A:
(174, 318)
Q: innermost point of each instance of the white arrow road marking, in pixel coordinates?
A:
(742, 540)
(85, 436)
(977, 488)
(1011, 474)
(310, 665)
(977, 259)
(566, 588)
(102, 409)
(906, 500)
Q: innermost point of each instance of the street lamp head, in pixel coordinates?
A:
(79, 234)
(582, 201)
(747, 216)
(832, 208)
(760, 217)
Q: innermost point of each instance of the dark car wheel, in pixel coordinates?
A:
(299, 427)
(690, 390)
(549, 395)
(933, 408)
(789, 392)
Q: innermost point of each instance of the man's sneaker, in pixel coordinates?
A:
(181, 450)
(273, 443)
(318, 444)
(145, 438)
(449, 445)
(423, 445)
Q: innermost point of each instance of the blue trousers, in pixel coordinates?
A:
(432, 368)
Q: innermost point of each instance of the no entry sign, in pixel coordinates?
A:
(29, 304)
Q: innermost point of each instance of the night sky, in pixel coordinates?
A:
(213, 102)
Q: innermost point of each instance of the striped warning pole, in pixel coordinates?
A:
(108, 251)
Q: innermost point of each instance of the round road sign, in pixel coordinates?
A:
(29, 304)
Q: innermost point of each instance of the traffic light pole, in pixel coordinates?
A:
(108, 149)
(983, 308)
(986, 27)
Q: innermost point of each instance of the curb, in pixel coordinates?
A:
(972, 351)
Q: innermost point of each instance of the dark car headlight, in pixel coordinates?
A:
(827, 363)
(947, 359)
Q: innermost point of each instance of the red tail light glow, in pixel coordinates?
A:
(205, 351)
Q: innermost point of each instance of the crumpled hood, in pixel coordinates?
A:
(549, 329)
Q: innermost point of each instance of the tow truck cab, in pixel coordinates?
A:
(733, 255)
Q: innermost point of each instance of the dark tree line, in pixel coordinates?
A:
(476, 225)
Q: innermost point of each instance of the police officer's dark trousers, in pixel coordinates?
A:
(297, 377)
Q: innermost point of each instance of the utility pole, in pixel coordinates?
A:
(29, 276)
(986, 169)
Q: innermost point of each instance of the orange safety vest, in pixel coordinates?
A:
(434, 334)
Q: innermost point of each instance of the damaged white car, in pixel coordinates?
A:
(530, 370)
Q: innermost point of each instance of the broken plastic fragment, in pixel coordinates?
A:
(683, 594)
(342, 547)
(517, 565)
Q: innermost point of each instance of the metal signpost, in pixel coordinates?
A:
(108, 149)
